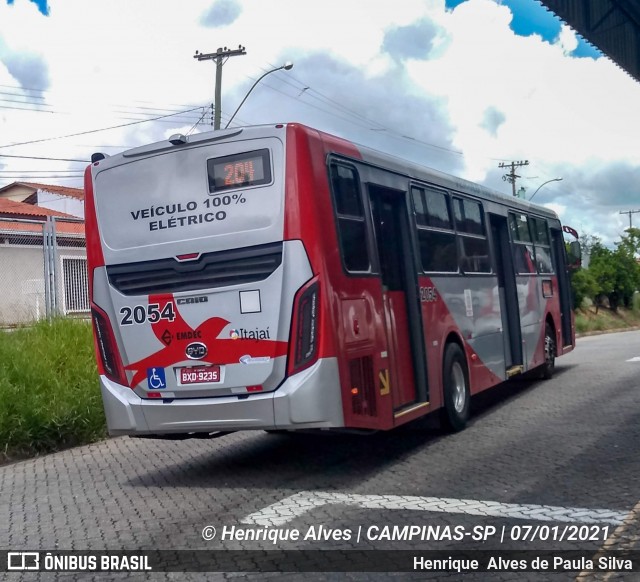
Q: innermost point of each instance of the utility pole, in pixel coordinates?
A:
(511, 176)
(219, 55)
(629, 212)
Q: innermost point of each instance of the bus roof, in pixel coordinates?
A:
(368, 155)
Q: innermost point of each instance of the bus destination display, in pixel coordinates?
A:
(239, 170)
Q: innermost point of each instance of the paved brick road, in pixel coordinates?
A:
(570, 443)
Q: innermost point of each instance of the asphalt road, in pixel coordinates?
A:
(542, 460)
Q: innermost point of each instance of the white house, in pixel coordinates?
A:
(23, 254)
(60, 198)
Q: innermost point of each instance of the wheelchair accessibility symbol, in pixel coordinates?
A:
(156, 379)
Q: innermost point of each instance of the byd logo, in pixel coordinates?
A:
(196, 351)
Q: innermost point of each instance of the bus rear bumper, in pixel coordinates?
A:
(310, 399)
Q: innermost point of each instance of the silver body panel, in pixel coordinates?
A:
(155, 204)
(308, 400)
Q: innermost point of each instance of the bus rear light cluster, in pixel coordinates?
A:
(107, 347)
(305, 328)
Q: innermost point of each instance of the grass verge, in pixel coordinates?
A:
(587, 320)
(49, 393)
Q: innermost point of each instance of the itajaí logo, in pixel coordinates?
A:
(250, 334)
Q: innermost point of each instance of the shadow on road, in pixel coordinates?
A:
(301, 460)
(510, 391)
(291, 460)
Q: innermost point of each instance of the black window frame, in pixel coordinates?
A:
(533, 243)
(343, 219)
(462, 236)
(427, 230)
(519, 245)
(546, 245)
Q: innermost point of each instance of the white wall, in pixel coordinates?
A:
(22, 298)
(21, 284)
(61, 203)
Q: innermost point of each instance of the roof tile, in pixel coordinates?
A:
(13, 209)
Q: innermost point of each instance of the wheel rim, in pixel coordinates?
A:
(549, 351)
(459, 387)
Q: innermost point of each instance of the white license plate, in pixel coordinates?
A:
(199, 375)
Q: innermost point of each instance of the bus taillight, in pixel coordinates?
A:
(107, 347)
(306, 319)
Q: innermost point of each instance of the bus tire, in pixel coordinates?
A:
(456, 393)
(546, 370)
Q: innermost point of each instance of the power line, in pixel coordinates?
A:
(49, 171)
(43, 158)
(25, 109)
(37, 109)
(363, 121)
(389, 132)
(29, 96)
(20, 177)
(358, 119)
(93, 130)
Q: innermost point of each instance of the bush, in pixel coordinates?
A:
(49, 392)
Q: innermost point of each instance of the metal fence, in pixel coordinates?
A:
(43, 270)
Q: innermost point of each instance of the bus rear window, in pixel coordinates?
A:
(239, 170)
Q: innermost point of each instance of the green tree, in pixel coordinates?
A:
(627, 278)
(612, 274)
(583, 285)
(631, 241)
(603, 272)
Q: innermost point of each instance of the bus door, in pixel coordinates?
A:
(560, 267)
(407, 377)
(508, 292)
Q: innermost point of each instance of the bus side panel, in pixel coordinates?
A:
(548, 288)
(95, 257)
(532, 310)
(306, 188)
(354, 329)
(453, 307)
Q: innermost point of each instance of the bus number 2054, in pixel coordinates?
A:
(151, 313)
(428, 294)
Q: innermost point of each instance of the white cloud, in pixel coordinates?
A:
(567, 39)
(458, 79)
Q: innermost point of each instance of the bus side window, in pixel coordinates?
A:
(542, 245)
(473, 245)
(436, 237)
(352, 232)
(523, 251)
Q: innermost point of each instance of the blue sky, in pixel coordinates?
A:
(42, 5)
(530, 17)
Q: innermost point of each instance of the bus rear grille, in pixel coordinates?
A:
(363, 399)
(217, 269)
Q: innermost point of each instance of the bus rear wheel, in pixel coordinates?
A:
(457, 397)
(546, 370)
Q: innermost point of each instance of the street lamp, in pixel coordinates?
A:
(287, 66)
(541, 185)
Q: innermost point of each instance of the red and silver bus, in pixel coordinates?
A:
(280, 278)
